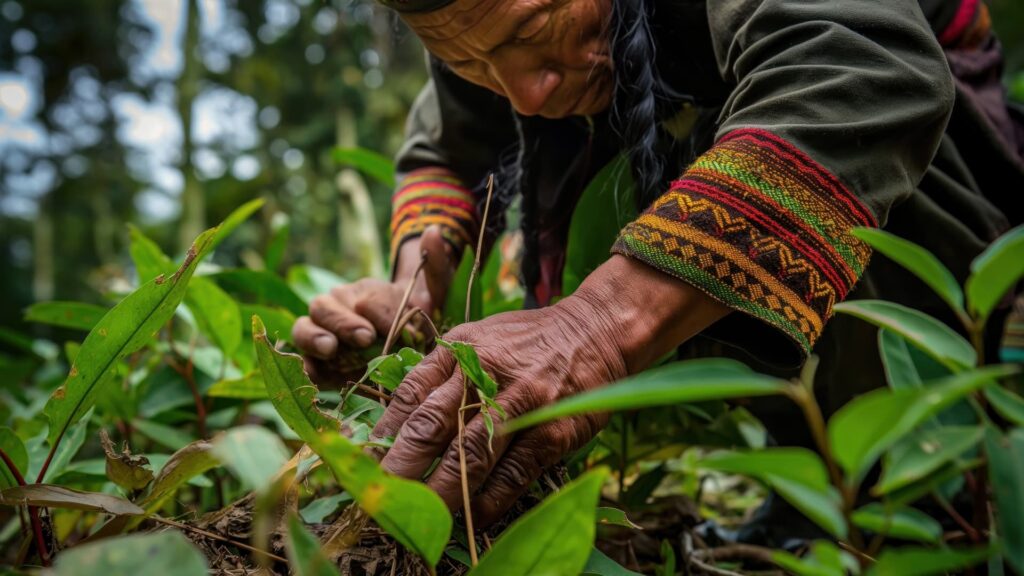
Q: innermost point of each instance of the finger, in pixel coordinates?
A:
(427, 431)
(481, 454)
(380, 308)
(433, 371)
(349, 327)
(439, 266)
(313, 339)
(524, 461)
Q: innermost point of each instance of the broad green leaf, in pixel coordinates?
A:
(235, 219)
(305, 556)
(469, 362)
(918, 261)
(12, 445)
(316, 511)
(614, 517)
(51, 496)
(264, 287)
(216, 314)
(599, 564)
(1006, 403)
(370, 163)
(796, 474)
(414, 514)
(252, 453)
(190, 461)
(861, 430)
(389, 371)
(150, 261)
(127, 327)
(76, 315)
(166, 553)
(676, 383)
(290, 390)
(603, 209)
(309, 281)
(904, 523)
(947, 481)
(248, 387)
(278, 321)
(926, 561)
(556, 537)
(922, 453)
(166, 436)
(455, 301)
(823, 559)
(900, 371)
(1006, 471)
(994, 273)
(933, 337)
(73, 441)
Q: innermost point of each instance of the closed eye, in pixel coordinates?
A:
(533, 27)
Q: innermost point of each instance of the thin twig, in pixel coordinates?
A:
(479, 245)
(33, 511)
(962, 522)
(400, 312)
(708, 568)
(470, 533)
(224, 539)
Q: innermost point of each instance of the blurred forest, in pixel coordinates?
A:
(170, 113)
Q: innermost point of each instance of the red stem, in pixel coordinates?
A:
(33, 512)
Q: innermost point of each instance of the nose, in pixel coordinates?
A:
(527, 90)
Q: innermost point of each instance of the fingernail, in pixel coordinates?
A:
(362, 337)
(324, 345)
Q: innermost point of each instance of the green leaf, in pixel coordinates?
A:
(918, 261)
(150, 261)
(51, 496)
(264, 287)
(166, 436)
(926, 561)
(455, 301)
(216, 314)
(904, 523)
(248, 387)
(603, 209)
(253, 454)
(933, 337)
(924, 452)
(370, 163)
(414, 514)
(823, 559)
(316, 511)
(127, 471)
(166, 553)
(309, 281)
(614, 517)
(235, 219)
(183, 465)
(305, 556)
(796, 474)
(676, 383)
(1006, 403)
(900, 371)
(1006, 471)
(994, 272)
(469, 362)
(600, 564)
(861, 430)
(12, 445)
(280, 229)
(68, 448)
(290, 390)
(278, 321)
(555, 537)
(76, 315)
(389, 371)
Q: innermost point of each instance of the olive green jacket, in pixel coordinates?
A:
(796, 121)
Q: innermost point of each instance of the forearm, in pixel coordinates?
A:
(648, 312)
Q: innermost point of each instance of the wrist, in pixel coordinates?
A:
(645, 312)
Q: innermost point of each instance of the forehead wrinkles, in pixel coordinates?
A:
(455, 20)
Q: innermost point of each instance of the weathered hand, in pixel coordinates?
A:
(623, 317)
(354, 316)
(537, 357)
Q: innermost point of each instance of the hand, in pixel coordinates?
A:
(624, 317)
(354, 316)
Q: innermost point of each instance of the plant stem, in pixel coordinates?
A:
(479, 245)
(218, 537)
(470, 533)
(960, 520)
(399, 313)
(33, 511)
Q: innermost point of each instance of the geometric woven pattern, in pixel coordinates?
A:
(758, 225)
(432, 196)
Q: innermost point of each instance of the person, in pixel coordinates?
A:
(758, 134)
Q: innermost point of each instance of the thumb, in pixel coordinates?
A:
(440, 265)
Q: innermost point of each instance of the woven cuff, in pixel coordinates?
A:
(759, 226)
(432, 196)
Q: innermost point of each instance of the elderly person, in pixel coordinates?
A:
(759, 132)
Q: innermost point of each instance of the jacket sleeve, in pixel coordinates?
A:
(837, 110)
(455, 134)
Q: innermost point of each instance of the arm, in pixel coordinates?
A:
(836, 113)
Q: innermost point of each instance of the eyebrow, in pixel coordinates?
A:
(520, 21)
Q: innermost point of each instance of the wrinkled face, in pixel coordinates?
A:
(548, 57)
